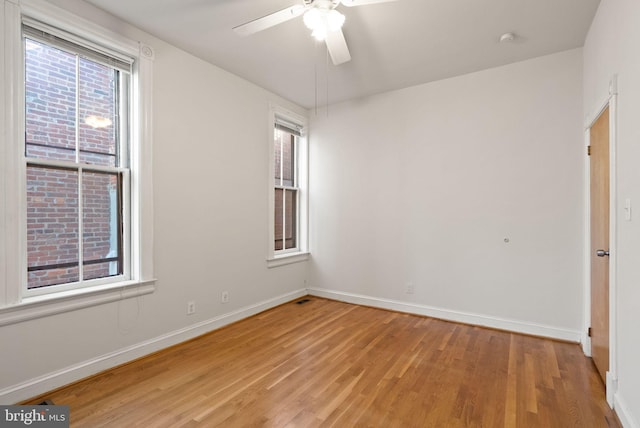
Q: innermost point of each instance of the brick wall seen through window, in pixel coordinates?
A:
(71, 118)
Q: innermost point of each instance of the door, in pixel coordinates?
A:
(599, 184)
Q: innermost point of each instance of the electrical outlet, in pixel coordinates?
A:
(410, 289)
(224, 297)
(191, 307)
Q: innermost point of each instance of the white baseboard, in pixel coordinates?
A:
(611, 388)
(586, 344)
(623, 412)
(58, 378)
(449, 315)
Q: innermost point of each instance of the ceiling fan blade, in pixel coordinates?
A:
(268, 21)
(337, 46)
(350, 3)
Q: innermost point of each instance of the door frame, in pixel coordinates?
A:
(611, 102)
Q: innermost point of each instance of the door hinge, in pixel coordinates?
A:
(589, 332)
(588, 150)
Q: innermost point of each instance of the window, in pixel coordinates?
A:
(288, 175)
(76, 153)
(76, 200)
(286, 189)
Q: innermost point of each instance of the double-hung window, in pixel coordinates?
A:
(289, 178)
(77, 165)
(286, 188)
(76, 220)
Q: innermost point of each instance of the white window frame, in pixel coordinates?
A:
(80, 168)
(301, 251)
(16, 302)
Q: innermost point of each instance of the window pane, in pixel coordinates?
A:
(286, 226)
(52, 226)
(101, 222)
(284, 158)
(97, 104)
(290, 219)
(277, 153)
(279, 220)
(50, 102)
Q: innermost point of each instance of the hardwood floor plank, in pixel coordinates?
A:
(328, 363)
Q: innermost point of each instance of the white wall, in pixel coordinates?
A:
(210, 155)
(423, 185)
(613, 47)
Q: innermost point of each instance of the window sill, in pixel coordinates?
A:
(286, 259)
(42, 306)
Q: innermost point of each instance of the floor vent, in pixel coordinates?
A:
(303, 301)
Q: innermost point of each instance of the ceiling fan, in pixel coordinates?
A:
(320, 16)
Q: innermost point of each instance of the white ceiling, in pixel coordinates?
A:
(393, 45)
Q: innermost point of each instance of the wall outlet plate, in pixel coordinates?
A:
(410, 288)
(191, 307)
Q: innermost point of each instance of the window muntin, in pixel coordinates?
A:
(286, 186)
(76, 150)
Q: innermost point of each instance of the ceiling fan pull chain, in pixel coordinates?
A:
(315, 79)
(327, 79)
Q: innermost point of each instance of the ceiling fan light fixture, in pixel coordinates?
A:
(319, 34)
(323, 21)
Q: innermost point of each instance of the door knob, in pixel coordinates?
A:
(602, 253)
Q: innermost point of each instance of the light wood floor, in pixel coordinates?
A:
(326, 363)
